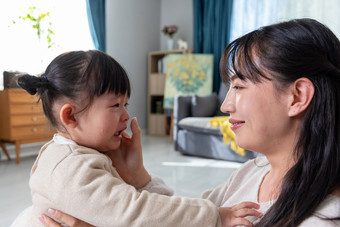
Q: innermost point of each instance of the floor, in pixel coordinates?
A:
(188, 176)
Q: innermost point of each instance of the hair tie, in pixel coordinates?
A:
(43, 80)
(32, 83)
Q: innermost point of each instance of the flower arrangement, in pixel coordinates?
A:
(170, 30)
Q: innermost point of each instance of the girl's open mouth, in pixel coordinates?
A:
(119, 133)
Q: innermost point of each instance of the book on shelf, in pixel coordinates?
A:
(162, 64)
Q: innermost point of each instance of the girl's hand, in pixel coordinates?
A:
(235, 215)
(65, 218)
(128, 158)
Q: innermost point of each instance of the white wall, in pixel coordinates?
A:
(179, 12)
(133, 29)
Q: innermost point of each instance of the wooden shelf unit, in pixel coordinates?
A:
(21, 120)
(159, 122)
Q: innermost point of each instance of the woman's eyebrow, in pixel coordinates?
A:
(233, 77)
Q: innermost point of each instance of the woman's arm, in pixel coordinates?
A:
(230, 216)
(128, 162)
(65, 218)
(128, 158)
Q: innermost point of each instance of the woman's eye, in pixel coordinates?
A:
(115, 105)
(126, 104)
(237, 87)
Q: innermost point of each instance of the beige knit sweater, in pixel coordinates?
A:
(244, 185)
(82, 182)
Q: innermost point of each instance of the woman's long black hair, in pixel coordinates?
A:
(288, 51)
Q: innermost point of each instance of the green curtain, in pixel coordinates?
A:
(212, 22)
(96, 18)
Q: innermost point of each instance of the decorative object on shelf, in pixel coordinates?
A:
(182, 45)
(170, 31)
(159, 106)
(170, 43)
(187, 74)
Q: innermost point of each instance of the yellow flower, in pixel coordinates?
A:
(184, 76)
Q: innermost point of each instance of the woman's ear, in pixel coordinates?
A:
(302, 92)
(67, 116)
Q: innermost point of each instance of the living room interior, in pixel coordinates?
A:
(134, 30)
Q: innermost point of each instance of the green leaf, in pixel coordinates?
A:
(35, 17)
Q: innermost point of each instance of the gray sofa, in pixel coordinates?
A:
(192, 133)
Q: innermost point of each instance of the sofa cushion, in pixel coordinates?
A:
(204, 106)
(182, 103)
(208, 146)
(200, 125)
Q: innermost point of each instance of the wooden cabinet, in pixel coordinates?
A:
(22, 119)
(159, 122)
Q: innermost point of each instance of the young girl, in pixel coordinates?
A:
(85, 97)
(284, 102)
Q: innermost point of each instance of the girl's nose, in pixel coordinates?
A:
(125, 115)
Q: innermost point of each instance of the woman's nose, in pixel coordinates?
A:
(227, 106)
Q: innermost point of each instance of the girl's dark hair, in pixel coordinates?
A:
(288, 51)
(75, 74)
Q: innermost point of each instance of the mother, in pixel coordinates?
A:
(284, 102)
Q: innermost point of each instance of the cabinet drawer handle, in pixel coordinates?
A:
(34, 118)
(34, 129)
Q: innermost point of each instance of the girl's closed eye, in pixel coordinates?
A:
(117, 105)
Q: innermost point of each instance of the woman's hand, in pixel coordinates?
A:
(235, 215)
(128, 158)
(65, 218)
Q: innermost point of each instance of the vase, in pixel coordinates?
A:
(170, 44)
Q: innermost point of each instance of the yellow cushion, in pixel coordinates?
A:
(228, 134)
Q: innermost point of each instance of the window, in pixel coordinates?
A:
(20, 48)
(249, 15)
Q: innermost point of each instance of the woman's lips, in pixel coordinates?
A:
(235, 124)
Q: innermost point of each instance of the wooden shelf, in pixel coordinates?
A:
(156, 83)
(158, 120)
